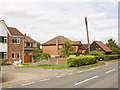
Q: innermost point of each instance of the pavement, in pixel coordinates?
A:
(99, 77)
(11, 76)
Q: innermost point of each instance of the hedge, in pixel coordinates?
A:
(111, 57)
(80, 61)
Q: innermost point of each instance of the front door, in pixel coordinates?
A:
(27, 58)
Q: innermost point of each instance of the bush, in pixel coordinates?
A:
(80, 61)
(45, 56)
(111, 57)
(2, 63)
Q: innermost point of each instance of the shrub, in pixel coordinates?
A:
(111, 57)
(80, 61)
(45, 56)
(2, 63)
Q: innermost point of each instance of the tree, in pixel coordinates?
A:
(67, 49)
(113, 46)
(37, 52)
(97, 52)
(45, 56)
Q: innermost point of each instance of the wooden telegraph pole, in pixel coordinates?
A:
(86, 22)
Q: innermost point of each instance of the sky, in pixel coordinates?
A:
(43, 20)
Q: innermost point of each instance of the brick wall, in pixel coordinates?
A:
(52, 50)
(15, 48)
(57, 60)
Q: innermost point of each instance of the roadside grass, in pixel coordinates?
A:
(63, 66)
(98, 64)
(115, 60)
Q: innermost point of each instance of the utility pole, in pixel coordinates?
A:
(86, 22)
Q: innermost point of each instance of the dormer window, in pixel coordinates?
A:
(16, 40)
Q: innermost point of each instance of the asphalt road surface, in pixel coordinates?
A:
(100, 77)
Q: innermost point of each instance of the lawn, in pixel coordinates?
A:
(63, 66)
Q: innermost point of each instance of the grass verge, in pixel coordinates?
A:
(115, 60)
(63, 66)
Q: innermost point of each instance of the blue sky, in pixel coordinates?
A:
(45, 20)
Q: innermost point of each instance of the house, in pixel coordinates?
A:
(11, 43)
(29, 45)
(101, 45)
(54, 46)
(83, 48)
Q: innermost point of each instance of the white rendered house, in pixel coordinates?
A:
(3, 41)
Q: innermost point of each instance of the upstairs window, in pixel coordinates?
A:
(3, 39)
(16, 40)
(3, 55)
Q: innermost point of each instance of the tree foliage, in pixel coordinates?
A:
(97, 52)
(45, 56)
(37, 52)
(68, 49)
(113, 46)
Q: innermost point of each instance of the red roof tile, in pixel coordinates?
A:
(107, 49)
(14, 31)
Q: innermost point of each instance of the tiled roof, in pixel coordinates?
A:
(84, 46)
(14, 31)
(77, 43)
(102, 45)
(59, 40)
(29, 39)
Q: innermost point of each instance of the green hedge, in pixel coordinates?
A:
(80, 61)
(111, 57)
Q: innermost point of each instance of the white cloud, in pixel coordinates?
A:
(45, 20)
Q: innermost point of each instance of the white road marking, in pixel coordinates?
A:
(110, 71)
(86, 80)
(59, 76)
(9, 87)
(27, 83)
(80, 71)
(70, 73)
(44, 80)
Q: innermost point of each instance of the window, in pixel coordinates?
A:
(3, 39)
(34, 45)
(28, 44)
(3, 55)
(18, 55)
(13, 55)
(16, 40)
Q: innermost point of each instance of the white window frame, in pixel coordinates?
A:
(18, 40)
(5, 55)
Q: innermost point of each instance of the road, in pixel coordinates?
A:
(100, 77)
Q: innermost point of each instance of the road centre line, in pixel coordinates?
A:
(44, 80)
(27, 83)
(110, 71)
(86, 80)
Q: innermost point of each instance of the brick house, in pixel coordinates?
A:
(101, 45)
(29, 45)
(54, 46)
(11, 43)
